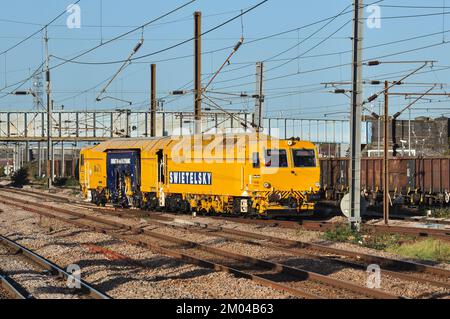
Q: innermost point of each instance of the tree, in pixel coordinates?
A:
(20, 177)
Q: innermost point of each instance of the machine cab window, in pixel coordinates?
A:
(255, 160)
(275, 158)
(304, 158)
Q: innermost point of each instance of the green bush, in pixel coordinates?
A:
(59, 181)
(384, 241)
(72, 182)
(20, 177)
(2, 171)
(343, 233)
(65, 182)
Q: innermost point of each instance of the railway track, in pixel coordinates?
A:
(408, 270)
(393, 268)
(10, 289)
(38, 269)
(405, 270)
(313, 225)
(296, 281)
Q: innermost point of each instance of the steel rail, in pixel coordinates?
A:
(294, 248)
(443, 234)
(356, 255)
(188, 258)
(393, 264)
(188, 244)
(12, 288)
(51, 267)
(323, 226)
(39, 195)
(171, 253)
(299, 273)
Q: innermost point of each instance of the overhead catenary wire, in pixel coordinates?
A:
(291, 59)
(73, 60)
(304, 57)
(248, 64)
(414, 16)
(37, 32)
(109, 41)
(348, 51)
(183, 19)
(143, 26)
(338, 65)
(257, 40)
(287, 59)
(123, 66)
(412, 6)
(368, 47)
(328, 20)
(273, 35)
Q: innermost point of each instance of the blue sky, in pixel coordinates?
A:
(299, 95)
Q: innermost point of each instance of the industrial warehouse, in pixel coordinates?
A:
(191, 153)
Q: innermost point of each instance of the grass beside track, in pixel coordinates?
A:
(406, 246)
(441, 212)
(429, 249)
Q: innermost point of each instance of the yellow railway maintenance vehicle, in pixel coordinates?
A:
(245, 173)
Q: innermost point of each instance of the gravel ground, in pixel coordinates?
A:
(3, 294)
(392, 285)
(163, 277)
(300, 235)
(389, 284)
(406, 223)
(32, 277)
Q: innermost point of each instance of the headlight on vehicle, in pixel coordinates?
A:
(290, 142)
(266, 185)
(317, 184)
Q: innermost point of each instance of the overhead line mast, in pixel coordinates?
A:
(355, 116)
(153, 101)
(49, 115)
(198, 72)
(259, 97)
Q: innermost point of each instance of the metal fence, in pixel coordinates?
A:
(20, 126)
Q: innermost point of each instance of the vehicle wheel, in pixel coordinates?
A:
(185, 207)
(447, 198)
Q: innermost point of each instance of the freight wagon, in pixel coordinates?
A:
(237, 174)
(412, 181)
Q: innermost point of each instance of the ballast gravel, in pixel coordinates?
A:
(388, 284)
(156, 276)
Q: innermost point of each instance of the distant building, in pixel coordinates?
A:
(421, 136)
(327, 150)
